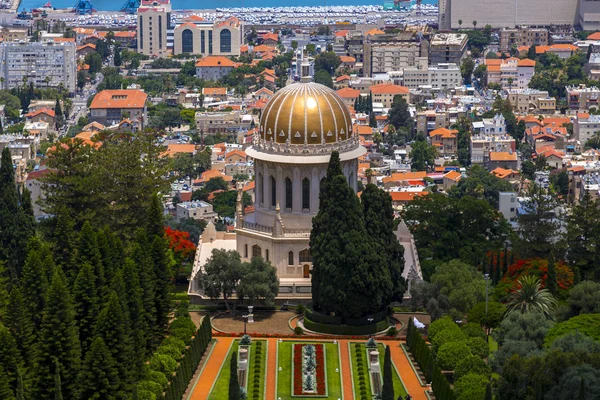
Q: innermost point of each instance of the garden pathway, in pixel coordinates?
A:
(411, 382)
(211, 370)
(271, 370)
(346, 370)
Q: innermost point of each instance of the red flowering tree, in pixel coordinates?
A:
(537, 267)
(181, 245)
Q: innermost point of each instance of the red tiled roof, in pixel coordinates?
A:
(46, 111)
(215, 61)
(128, 98)
(348, 93)
(388, 88)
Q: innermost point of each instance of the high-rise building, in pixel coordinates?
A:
(522, 36)
(198, 36)
(154, 19)
(455, 14)
(448, 48)
(387, 53)
(45, 64)
(589, 15)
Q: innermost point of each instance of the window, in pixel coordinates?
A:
(187, 41)
(225, 37)
(261, 190)
(306, 193)
(202, 42)
(267, 254)
(246, 250)
(273, 191)
(305, 256)
(291, 258)
(160, 39)
(141, 24)
(288, 193)
(209, 42)
(256, 251)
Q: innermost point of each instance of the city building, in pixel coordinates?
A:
(481, 144)
(562, 50)
(513, 38)
(199, 36)
(110, 107)
(582, 97)
(508, 205)
(196, 210)
(45, 64)
(34, 185)
(532, 101)
(585, 126)
(210, 123)
(291, 151)
(384, 93)
(214, 67)
(448, 48)
(502, 159)
(349, 95)
(445, 141)
(457, 14)
(154, 19)
(10, 34)
(385, 53)
(490, 126)
(589, 15)
(437, 78)
(511, 73)
(429, 120)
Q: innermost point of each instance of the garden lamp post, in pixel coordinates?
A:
(487, 278)
(370, 320)
(245, 322)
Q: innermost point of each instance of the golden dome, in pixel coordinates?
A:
(305, 113)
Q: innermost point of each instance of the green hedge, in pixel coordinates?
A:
(345, 329)
(320, 318)
(423, 356)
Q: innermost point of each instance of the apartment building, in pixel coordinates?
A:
(224, 122)
(384, 93)
(445, 141)
(522, 36)
(196, 210)
(448, 48)
(585, 126)
(582, 97)
(510, 73)
(385, 53)
(441, 77)
(430, 120)
(45, 64)
(214, 67)
(491, 126)
(482, 144)
(532, 101)
(8, 34)
(154, 19)
(199, 36)
(589, 15)
(110, 107)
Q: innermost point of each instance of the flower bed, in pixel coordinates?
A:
(309, 370)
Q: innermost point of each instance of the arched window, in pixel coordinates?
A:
(187, 41)
(261, 189)
(246, 250)
(273, 191)
(291, 258)
(305, 256)
(305, 193)
(267, 254)
(225, 37)
(256, 251)
(289, 202)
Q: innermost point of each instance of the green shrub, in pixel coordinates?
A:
(392, 331)
(586, 324)
(183, 323)
(150, 386)
(145, 395)
(473, 330)
(440, 325)
(451, 353)
(245, 340)
(163, 363)
(450, 334)
(298, 330)
(471, 364)
(479, 347)
(300, 309)
(173, 341)
(156, 376)
(182, 334)
(170, 350)
(471, 386)
(346, 329)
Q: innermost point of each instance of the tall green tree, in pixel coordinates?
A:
(59, 116)
(583, 237)
(324, 78)
(99, 376)
(65, 241)
(399, 115)
(387, 390)
(551, 283)
(530, 297)
(162, 283)
(18, 320)
(258, 282)
(88, 252)
(538, 225)
(221, 276)
(5, 391)
(379, 222)
(234, 385)
(349, 277)
(10, 358)
(155, 225)
(58, 343)
(87, 304)
(466, 70)
(422, 155)
(135, 304)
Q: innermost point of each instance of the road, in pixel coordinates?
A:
(80, 101)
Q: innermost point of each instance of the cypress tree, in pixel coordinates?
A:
(58, 343)
(347, 276)
(87, 304)
(145, 270)
(488, 392)
(139, 328)
(34, 280)
(234, 385)
(57, 381)
(27, 205)
(99, 376)
(379, 223)
(59, 116)
(581, 394)
(5, 390)
(551, 283)
(88, 252)
(65, 242)
(10, 359)
(20, 390)
(19, 323)
(112, 326)
(387, 391)
(155, 218)
(162, 283)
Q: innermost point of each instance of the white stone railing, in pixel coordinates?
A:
(269, 146)
(287, 232)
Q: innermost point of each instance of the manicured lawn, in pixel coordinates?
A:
(284, 377)
(221, 388)
(398, 386)
(256, 379)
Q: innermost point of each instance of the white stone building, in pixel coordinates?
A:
(154, 19)
(585, 126)
(195, 210)
(45, 64)
(438, 78)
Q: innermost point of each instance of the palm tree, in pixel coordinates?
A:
(510, 82)
(459, 23)
(530, 296)
(474, 24)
